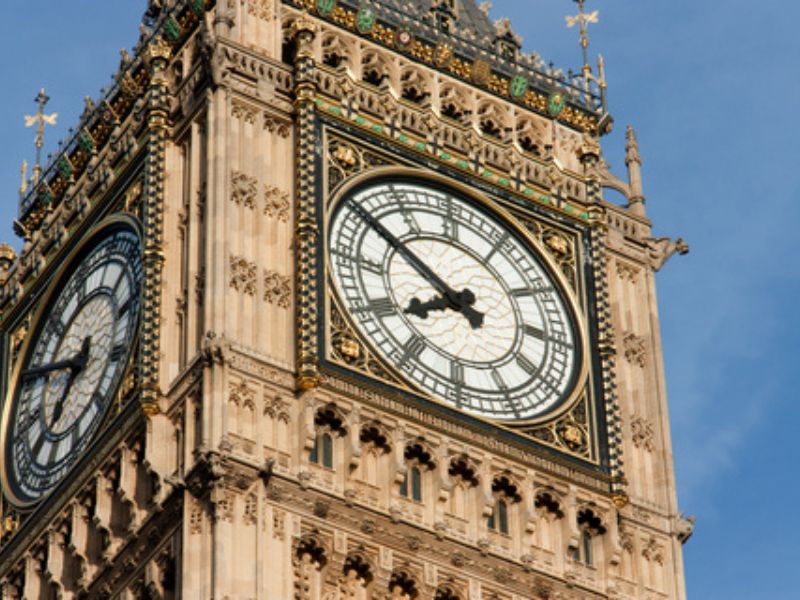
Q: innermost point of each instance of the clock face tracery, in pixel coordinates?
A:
(455, 299)
(73, 366)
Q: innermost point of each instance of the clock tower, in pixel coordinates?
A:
(323, 300)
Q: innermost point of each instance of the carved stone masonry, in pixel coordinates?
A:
(243, 275)
(251, 509)
(635, 349)
(242, 394)
(243, 112)
(276, 203)
(654, 551)
(277, 289)
(195, 517)
(627, 272)
(275, 125)
(643, 433)
(260, 8)
(243, 189)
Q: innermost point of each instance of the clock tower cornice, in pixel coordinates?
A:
(477, 52)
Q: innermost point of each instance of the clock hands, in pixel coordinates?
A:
(76, 364)
(449, 298)
(464, 298)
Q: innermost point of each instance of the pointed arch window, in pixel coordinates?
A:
(412, 484)
(498, 520)
(505, 494)
(322, 451)
(418, 462)
(591, 527)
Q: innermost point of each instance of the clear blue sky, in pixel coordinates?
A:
(713, 90)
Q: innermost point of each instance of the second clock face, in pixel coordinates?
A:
(455, 299)
(74, 364)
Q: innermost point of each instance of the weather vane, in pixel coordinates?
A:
(40, 120)
(584, 20)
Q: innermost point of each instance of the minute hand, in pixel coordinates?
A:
(44, 369)
(454, 298)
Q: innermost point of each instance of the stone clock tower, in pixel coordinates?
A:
(323, 300)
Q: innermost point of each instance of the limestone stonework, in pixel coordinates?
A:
(259, 446)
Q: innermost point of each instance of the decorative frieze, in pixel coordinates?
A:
(243, 275)
(654, 551)
(195, 517)
(260, 8)
(251, 508)
(277, 125)
(242, 394)
(642, 433)
(277, 289)
(278, 524)
(243, 189)
(635, 349)
(244, 112)
(276, 203)
(627, 272)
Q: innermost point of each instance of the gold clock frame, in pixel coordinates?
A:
(572, 428)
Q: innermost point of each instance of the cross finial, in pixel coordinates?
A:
(40, 120)
(584, 20)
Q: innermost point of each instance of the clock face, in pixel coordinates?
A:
(75, 359)
(455, 298)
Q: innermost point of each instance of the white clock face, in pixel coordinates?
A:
(74, 364)
(455, 299)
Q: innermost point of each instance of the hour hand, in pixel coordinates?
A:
(74, 364)
(421, 309)
(458, 301)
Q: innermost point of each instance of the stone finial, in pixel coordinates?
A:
(7, 254)
(7, 258)
(159, 50)
(633, 160)
(631, 147)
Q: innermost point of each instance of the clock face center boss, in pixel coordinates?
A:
(456, 298)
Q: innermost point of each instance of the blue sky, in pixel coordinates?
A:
(712, 89)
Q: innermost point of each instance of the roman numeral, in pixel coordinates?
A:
(125, 307)
(370, 265)
(382, 307)
(498, 380)
(534, 331)
(51, 458)
(117, 352)
(457, 378)
(497, 245)
(526, 365)
(413, 347)
(37, 446)
(526, 291)
(450, 227)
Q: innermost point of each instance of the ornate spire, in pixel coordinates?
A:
(633, 160)
(40, 120)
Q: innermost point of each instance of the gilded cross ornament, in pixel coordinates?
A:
(41, 120)
(583, 20)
